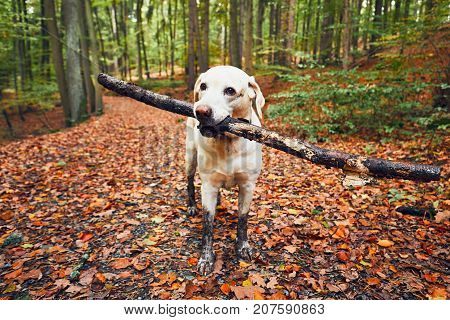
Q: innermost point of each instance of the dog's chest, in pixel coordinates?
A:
(228, 162)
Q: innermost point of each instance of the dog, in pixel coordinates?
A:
(225, 160)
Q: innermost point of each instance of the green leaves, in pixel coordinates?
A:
(350, 101)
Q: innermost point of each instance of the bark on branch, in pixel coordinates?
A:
(356, 164)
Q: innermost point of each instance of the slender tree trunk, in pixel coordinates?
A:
(45, 56)
(126, 56)
(367, 22)
(429, 4)
(21, 48)
(27, 41)
(356, 20)
(377, 24)
(346, 39)
(248, 36)
(406, 9)
(204, 61)
(385, 13)
(234, 39)
(85, 63)
(97, 27)
(173, 29)
(270, 57)
(138, 38)
(398, 4)
(307, 26)
(241, 20)
(338, 31)
(192, 37)
(95, 58)
(259, 29)
(316, 31)
(73, 75)
(326, 39)
(185, 37)
(116, 30)
(225, 35)
(58, 62)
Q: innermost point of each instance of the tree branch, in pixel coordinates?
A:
(356, 164)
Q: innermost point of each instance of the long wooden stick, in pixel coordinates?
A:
(374, 167)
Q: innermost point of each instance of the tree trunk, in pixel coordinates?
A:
(259, 29)
(366, 23)
(58, 62)
(398, 4)
(119, 58)
(192, 37)
(326, 39)
(27, 45)
(85, 63)
(307, 27)
(95, 57)
(248, 36)
(385, 13)
(204, 62)
(429, 4)
(73, 74)
(346, 39)
(376, 26)
(97, 27)
(406, 10)
(356, 21)
(45, 57)
(138, 38)
(234, 39)
(316, 31)
(287, 27)
(123, 27)
(173, 34)
(241, 20)
(21, 48)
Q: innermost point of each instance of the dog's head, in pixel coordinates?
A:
(226, 91)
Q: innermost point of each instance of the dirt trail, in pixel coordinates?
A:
(113, 188)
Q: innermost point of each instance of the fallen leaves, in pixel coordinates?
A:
(373, 281)
(245, 292)
(121, 263)
(385, 243)
(120, 198)
(225, 288)
(342, 256)
(438, 294)
(14, 274)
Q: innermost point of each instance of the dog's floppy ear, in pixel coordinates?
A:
(197, 87)
(256, 95)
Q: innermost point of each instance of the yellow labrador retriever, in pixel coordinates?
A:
(224, 160)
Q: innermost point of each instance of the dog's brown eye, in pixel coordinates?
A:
(203, 86)
(230, 91)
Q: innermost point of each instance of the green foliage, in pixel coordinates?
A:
(156, 84)
(43, 96)
(352, 101)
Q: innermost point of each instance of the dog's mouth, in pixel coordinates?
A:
(213, 131)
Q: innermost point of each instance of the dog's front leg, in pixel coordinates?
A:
(243, 249)
(209, 201)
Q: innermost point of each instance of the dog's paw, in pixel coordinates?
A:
(191, 211)
(244, 251)
(205, 264)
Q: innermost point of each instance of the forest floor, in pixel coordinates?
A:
(98, 212)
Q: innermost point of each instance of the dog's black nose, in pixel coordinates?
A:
(203, 112)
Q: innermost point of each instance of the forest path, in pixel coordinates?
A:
(98, 211)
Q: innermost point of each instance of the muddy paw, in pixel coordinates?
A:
(191, 211)
(244, 251)
(205, 264)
